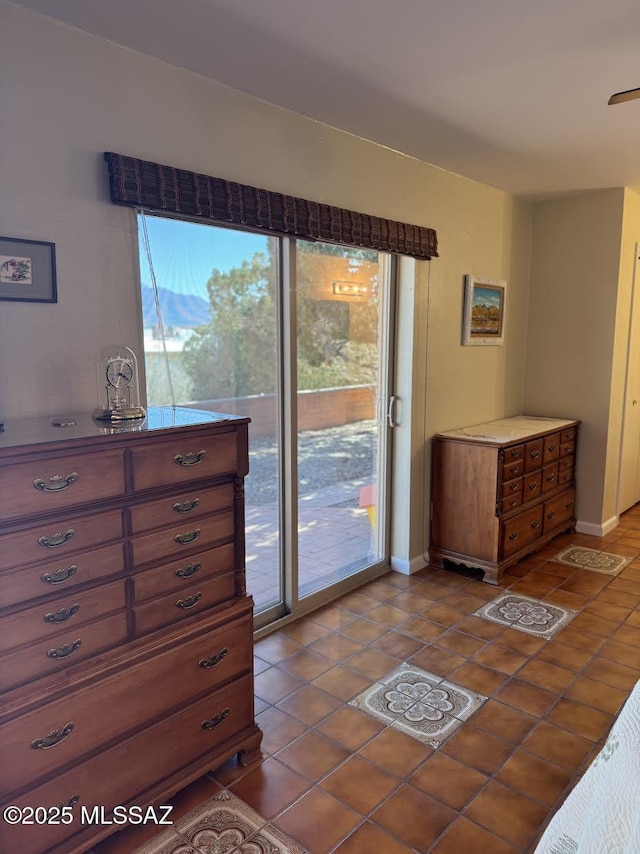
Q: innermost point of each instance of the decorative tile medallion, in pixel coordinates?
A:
(425, 706)
(529, 615)
(222, 825)
(592, 559)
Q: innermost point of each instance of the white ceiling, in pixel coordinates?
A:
(507, 92)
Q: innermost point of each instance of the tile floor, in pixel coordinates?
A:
(336, 778)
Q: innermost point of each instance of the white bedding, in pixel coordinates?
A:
(602, 813)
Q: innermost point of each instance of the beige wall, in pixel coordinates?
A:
(573, 316)
(69, 97)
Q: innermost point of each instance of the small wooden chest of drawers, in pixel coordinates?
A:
(126, 635)
(500, 490)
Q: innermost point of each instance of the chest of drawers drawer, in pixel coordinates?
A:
(150, 755)
(182, 538)
(184, 603)
(181, 508)
(60, 575)
(185, 459)
(62, 537)
(522, 531)
(559, 509)
(51, 484)
(195, 569)
(64, 613)
(70, 728)
(68, 648)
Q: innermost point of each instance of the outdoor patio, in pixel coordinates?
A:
(334, 531)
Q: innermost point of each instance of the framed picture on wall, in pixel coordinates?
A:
(27, 270)
(484, 311)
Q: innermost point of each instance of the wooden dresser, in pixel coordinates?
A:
(126, 635)
(500, 490)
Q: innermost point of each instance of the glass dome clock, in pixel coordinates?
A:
(118, 386)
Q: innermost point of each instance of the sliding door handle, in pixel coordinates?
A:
(391, 411)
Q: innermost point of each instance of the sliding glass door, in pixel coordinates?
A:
(297, 337)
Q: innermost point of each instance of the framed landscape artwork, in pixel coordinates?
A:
(484, 311)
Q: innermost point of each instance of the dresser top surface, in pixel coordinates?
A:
(506, 430)
(19, 432)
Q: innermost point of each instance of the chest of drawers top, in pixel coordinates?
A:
(509, 431)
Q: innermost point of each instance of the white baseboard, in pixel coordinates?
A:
(408, 567)
(598, 530)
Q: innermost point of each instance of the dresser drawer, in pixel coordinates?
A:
(506, 505)
(187, 571)
(66, 730)
(61, 615)
(533, 455)
(559, 509)
(47, 656)
(511, 487)
(51, 484)
(184, 459)
(532, 486)
(184, 603)
(52, 539)
(183, 537)
(565, 476)
(513, 454)
(58, 576)
(520, 532)
(549, 478)
(510, 470)
(181, 507)
(149, 756)
(551, 450)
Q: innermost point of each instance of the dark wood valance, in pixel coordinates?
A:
(140, 183)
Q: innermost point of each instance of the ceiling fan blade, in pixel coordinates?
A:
(628, 95)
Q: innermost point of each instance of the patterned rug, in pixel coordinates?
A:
(222, 825)
(421, 704)
(528, 615)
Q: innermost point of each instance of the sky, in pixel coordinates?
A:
(184, 253)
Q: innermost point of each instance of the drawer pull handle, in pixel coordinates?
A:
(61, 614)
(552, 515)
(189, 537)
(515, 453)
(513, 502)
(52, 738)
(60, 575)
(188, 571)
(515, 535)
(568, 449)
(534, 455)
(551, 477)
(216, 720)
(186, 506)
(536, 524)
(569, 505)
(552, 447)
(534, 485)
(64, 650)
(56, 482)
(514, 469)
(206, 663)
(189, 602)
(514, 487)
(73, 800)
(190, 459)
(57, 539)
